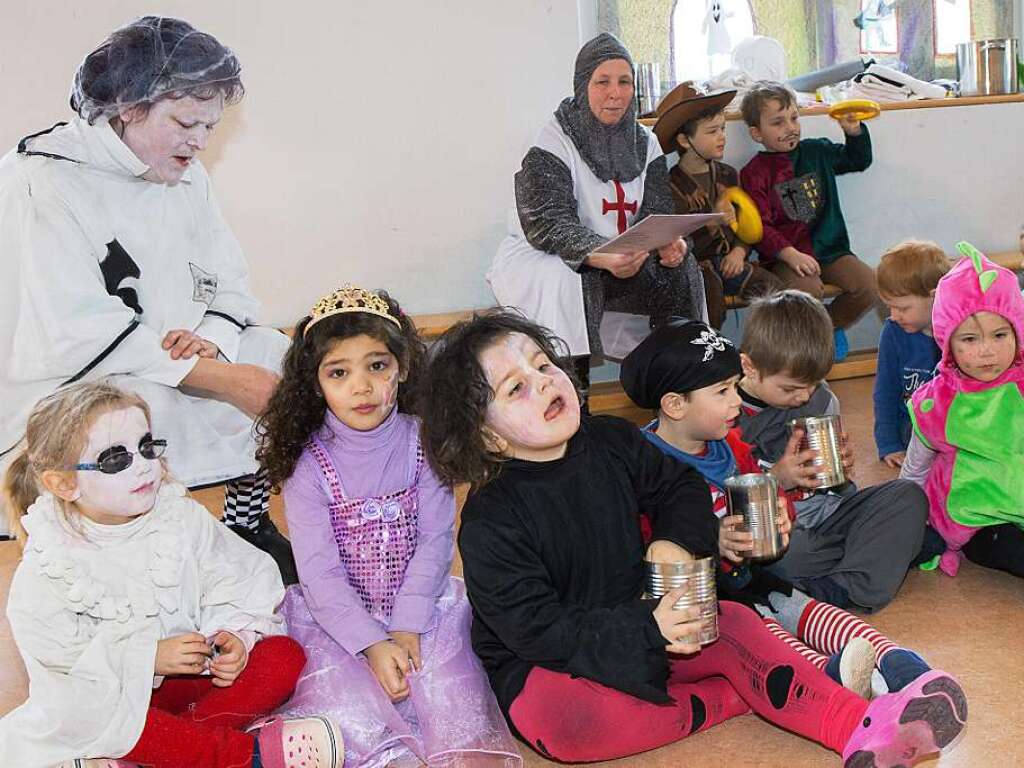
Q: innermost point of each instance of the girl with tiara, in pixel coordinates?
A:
(386, 629)
(147, 628)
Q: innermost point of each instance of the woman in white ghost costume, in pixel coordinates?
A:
(117, 262)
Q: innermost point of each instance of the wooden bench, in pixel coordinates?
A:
(735, 302)
(608, 397)
(432, 326)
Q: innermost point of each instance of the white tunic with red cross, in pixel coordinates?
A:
(540, 284)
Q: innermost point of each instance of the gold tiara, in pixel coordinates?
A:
(350, 298)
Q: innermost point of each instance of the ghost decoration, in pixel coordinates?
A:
(874, 12)
(715, 30)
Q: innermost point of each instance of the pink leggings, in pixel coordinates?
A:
(576, 720)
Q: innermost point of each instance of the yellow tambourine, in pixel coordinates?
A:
(747, 224)
(858, 109)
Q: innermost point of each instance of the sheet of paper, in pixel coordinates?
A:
(656, 231)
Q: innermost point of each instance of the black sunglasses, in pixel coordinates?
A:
(117, 458)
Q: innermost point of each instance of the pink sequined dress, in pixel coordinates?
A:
(451, 717)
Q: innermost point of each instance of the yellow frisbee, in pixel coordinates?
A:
(747, 224)
(858, 109)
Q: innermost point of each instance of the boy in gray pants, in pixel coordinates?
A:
(849, 547)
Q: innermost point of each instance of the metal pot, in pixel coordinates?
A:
(987, 67)
(648, 88)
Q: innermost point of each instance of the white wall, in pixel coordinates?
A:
(377, 141)
(588, 19)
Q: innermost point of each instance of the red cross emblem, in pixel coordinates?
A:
(620, 206)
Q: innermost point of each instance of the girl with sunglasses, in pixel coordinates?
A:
(147, 629)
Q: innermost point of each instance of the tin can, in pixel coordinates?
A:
(755, 497)
(648, 88)
(698, 578)
(824, 434)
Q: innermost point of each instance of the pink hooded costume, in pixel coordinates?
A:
(976, 428)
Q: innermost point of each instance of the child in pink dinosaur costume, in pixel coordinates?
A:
(967, 451)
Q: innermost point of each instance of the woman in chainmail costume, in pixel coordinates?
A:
(118, 263)
(592, 172)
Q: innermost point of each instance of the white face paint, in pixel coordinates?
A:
(359, 377)
(535, 409)
(171, 134)
(115, 499)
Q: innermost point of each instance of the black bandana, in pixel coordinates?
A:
(679, 357)
(610, 151)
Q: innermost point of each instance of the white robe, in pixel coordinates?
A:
(540, 284)
(87, 613)
(98, 266)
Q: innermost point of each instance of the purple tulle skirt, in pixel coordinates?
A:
(450, 717)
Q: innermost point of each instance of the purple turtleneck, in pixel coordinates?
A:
(371, 463)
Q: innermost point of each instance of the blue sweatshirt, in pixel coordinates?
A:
(905, 362)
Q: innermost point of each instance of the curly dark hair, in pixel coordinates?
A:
(297, 407)
(456, 394)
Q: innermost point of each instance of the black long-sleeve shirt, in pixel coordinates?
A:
(553, 560)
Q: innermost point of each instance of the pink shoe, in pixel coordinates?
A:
(902, 728)
(306, 742)
(96, 762)
(950, 561)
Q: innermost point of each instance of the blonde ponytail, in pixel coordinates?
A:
(20, 490)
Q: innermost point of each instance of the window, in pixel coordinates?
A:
(703, 34)
(879, 26)
(952, 25)
(690, 39)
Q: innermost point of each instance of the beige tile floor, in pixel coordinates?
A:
(972, 626)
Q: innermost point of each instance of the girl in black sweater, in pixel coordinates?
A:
(583, 667)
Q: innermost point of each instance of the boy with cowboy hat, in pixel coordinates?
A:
(693, 124)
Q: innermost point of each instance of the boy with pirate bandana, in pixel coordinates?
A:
(689, 375)
(693, 124)
(793, 183)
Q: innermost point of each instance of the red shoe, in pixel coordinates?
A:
(901, 729)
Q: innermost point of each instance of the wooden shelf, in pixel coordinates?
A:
(963, 101)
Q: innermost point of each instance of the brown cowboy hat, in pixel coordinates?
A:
(682, 104)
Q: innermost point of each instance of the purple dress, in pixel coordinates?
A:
(373, 553)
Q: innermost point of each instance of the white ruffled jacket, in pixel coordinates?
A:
(87, 618)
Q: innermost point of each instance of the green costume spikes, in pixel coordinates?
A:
(971, 253)
(985, 276)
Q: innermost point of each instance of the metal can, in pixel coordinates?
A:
(824, 434)
(755, 497)
(698, 578)
(648, 88)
